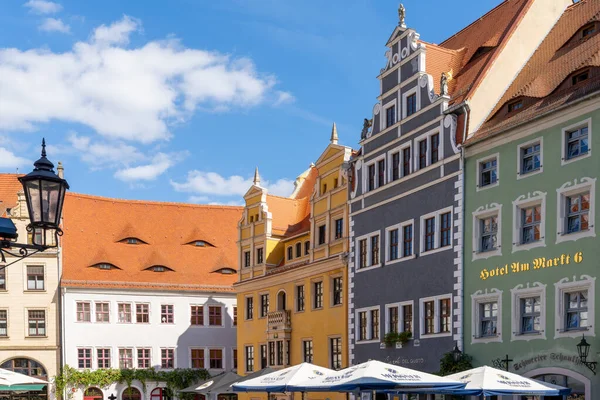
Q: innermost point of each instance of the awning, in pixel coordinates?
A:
(207, 386)
(21, 388)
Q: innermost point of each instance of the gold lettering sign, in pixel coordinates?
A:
(536, 264)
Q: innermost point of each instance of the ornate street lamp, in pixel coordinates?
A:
(44, 194)
(583, 349)
(456, 353)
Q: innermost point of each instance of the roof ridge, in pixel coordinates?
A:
(152, 202)
(286, 198)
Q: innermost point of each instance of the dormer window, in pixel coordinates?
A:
(226, 271)
(588, 30)
(200, 243)
(515, 105)
(132, 240)
(159, 268)
(481, 51)
(105, 266)
(580, 77)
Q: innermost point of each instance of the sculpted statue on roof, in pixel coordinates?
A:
(401, 14)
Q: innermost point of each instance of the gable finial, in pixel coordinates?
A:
(401, 15)
(256, 180)
(334, 135)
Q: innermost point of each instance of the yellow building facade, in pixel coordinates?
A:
(292, 291)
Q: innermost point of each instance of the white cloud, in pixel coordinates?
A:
(43, 6)
(284, 98)
(212, 183)
(149, 172)
(104, 154)
(9, 160)
(121, 92)
(54, 25)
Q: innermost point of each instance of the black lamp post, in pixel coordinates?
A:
(583, 349)
(44, 194)
(456, 353)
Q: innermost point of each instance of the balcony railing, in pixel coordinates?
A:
(279, 320)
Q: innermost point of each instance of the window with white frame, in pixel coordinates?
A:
(576, 210)
(487, 172)
(390, 113)
(577, 141)
(528, 317)
(575, 302)
(410, 102)
(399, 317)
(427, 147)
(399, 162)
(436, 231)
(399, 242)
(487, 316)
(375, 177)
(368, 251)
(368, 324)
(529, 225)
(436, 316)
(487, 231)
(529, 158)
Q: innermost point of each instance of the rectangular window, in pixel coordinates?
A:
(577, 216)
(488, 317)
(407, 239)
(290, 253)
(411, 104)
(406, 161)
(429, 317)
(249, 358)
(167, 358)
(84, 313)
(393, 244)
(197, 356)
(142, 313)
(488, 238)
(3, 278)
(246, 259)
(390, 116)
(380, 173)
(445, 315)
(215, 315)
(393, 319)
(321, 235)
(435, 148)
(336, 353)
(124, 312)
(271, 353)
(300, 298)
(197, 315)
(234, 315)
(362, 322)
(374, 250)
(422, 153)
(235, 359)
(362, 244)
(306, 248)
(35, 277)
(337, 291)
(531, 218)
(264, 305)
(576, 310)
(488, 173)
(36, 321)
(144, 359)
(3, 323)
(339, 228)
(249, 307)
(84, 358)
(166, 314)
(125, 358)
(374, 324)
(318, 294)
(103, 358)
(371, 176)
(279, 352)
(407, 317)
(515, 105)
(263, 356)
(102, 312)
(577, 143)
(429, 233)
(307, 351)
(446, 229)
(395, 166)
(531, 309)
(531, 158)
(259, 256)
(298, 249)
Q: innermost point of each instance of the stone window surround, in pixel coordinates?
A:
(357, 325)
(567, 189)
(426, 136)
(399, 149)
(400, 305)
(400, 228)
(521, 202)
(483, 212)
(384, 108)
(368, 237)
(562, 287)
(520, 174)
(436, 316)
(437, 236)
(520, 292)
(563, 139)
(478, 174)
(478, 298)
(365, 174)
(416, 90)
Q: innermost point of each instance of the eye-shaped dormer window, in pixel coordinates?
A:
(105, 266)
(226, 271)
(132, 240)
(159, 268)
(200, 243)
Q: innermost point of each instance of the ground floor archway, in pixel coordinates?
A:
(580, 385)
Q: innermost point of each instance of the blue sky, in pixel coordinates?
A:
(179, 100)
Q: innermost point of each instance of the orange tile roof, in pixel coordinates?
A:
(290, 216)
(9, 187)
(94, 225)
(549, 66)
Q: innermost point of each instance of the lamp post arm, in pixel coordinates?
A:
(25, 250)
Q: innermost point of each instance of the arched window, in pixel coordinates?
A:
(131, 394)
(281, 301)
(160, 394)
(93, 393)
(27, 367)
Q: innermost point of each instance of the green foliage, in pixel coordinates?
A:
(404, 337)
(449, 366)
(391, 338)
(175, 379)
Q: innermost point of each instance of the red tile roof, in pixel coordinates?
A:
(94, 226)
(9, 187)
(539, 82)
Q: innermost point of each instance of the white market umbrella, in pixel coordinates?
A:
(488, 381)
(10, 378)
(374, 375)
(281, 381)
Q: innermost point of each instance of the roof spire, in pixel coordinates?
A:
(334, 134)
(256, 180)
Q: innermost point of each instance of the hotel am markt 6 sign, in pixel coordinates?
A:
(536, 264)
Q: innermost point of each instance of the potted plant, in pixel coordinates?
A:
(390, 339)
(403, 338)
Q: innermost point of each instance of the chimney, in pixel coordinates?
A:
(60, 170)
